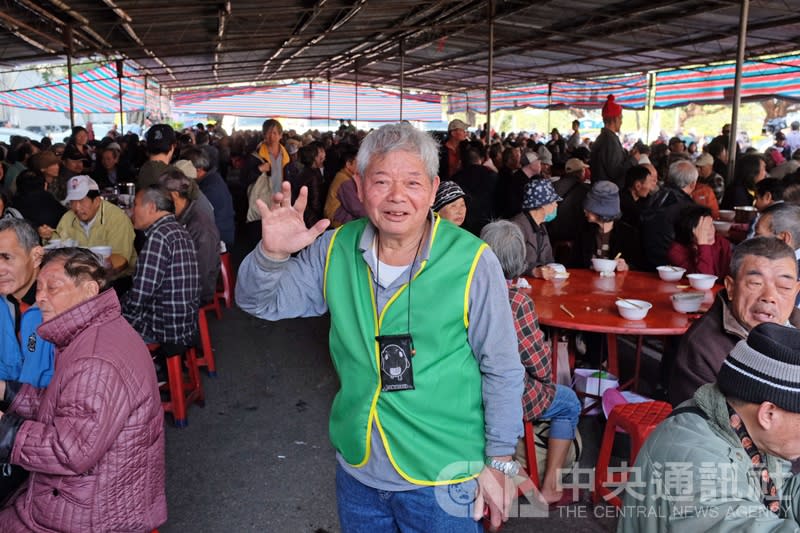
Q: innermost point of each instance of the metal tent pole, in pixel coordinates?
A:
(68, 38)
(121, 108)
(549, 104)
(491, 72)
(310, 102)
(144, 101)
(737, 90)
(651, 85)
(329, 100)
(402, 74)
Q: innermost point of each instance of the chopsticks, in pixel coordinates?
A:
(564, 308)
(637, 306)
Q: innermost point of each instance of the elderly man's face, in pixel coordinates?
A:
(86, 208)
(18, 267)
(458, 134)
(397, 194)
(56, 291)
(763, 291)
(109, 159)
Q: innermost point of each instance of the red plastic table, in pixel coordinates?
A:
(591, 298)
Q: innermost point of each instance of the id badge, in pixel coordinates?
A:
(396, 352)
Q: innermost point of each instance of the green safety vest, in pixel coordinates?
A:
(434, 434)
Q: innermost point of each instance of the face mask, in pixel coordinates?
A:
(551, 216)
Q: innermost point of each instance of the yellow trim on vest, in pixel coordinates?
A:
(373, 412)
(328, 262)
(406, 476)
(469, 282)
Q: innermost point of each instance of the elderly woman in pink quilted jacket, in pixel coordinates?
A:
(93, 440)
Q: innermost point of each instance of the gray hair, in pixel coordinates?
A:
(784, 217)
(770, 247)
(508, 244)
(80, 265)
(681, 174)
(176, 181)
(26, 234)
(399, 137)
(197, 157)
(158, 195)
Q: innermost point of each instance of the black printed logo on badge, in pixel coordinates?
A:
(32, 342)
(395, 357)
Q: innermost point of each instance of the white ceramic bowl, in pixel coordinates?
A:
(558, 267)
(722, 226)
(687, 302)
(701, 282)
(670, 273)
(727, 215)
(102, 251)
(604, 265)
(633, 309)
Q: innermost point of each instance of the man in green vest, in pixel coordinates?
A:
(422, 338)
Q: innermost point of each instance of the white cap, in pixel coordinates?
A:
(186, 166)
(79, 186)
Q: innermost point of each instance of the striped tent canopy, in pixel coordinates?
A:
(312, 101)
(776, 77)
(95, 91)
(629, 91)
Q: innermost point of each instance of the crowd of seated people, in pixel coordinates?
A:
(569, 200)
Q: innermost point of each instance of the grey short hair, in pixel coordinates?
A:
(508, 244)
(26, 234)
(681, 174)
(158, 195)
(176, 181)
(80, 265)
(770, 247)
(399, 137)
(784, 217)
(197, 157)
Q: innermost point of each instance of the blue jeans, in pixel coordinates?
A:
(563, 413)
(363, 509)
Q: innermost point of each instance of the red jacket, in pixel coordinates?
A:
(712, 259)
(93, 440)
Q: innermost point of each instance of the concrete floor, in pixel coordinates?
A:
(257, 456)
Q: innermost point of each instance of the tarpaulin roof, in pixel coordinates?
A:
(314, 101)
(775, 77)
(436, 45)
(94, 91)
(629, 91)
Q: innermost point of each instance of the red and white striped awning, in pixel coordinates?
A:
(312, 101)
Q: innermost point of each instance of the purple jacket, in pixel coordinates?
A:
(93, 440)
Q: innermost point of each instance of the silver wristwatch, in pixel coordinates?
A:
(509, 468)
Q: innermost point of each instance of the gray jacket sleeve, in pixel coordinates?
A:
(494, 341)
(274, 290)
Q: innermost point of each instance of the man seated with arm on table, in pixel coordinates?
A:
(422, 339)
(720, 461)
(762, 287)
(92, 221)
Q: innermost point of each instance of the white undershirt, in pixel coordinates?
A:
(388, 273)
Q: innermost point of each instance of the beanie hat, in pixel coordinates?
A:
(764, 368)
(603, 200)
(539, 192)
(611, 109)
(447, 193)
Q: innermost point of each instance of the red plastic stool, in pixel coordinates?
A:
(182, 392)
(228, 282)
(207, 358)
(638, 419)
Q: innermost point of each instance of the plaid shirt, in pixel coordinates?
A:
(163, 303)
(535, 355)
